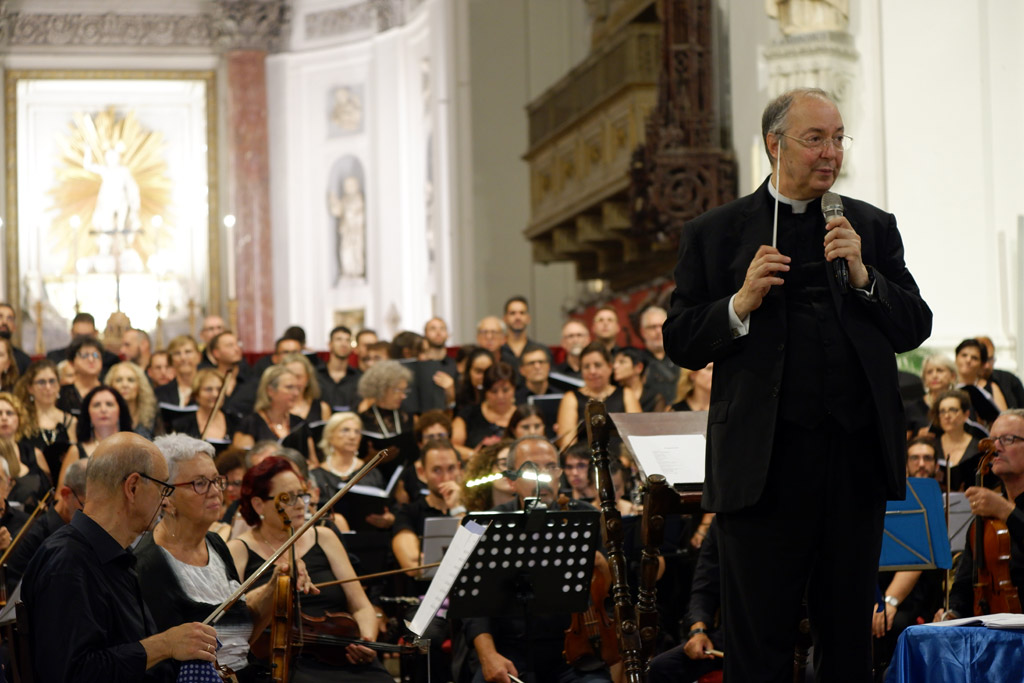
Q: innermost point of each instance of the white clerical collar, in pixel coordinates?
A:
(799, 205)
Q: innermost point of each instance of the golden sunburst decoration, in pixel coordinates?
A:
(112, 187)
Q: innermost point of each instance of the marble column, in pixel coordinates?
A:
(249, 189)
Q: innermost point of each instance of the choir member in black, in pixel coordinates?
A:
(487, 421)
(324, 559)
(596, 368)
(159, 370)
(662, 373)
(308, 406)
(68, 500)
(8, 323)
(81, 589)
(340, 447)
(339, 380)
(471, 384)
(385, 385)
(11, 518)
(186, 570)
(488, 460)
(958, 449)
(694, 389)
(47, 426)
(575, 338)
(630, 372)
(31, 478)
(130, 381)
(208, 421)
(938, 374)
(184, 355)
(1006, 505)
(8, 365)
(85, 355)
(971, 356)
(104, 413)
(526, 421)
(277, 392)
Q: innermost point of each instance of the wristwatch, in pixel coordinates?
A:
(890, 600)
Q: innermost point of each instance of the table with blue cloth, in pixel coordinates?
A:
(942, 654)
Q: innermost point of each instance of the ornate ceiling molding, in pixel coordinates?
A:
(360, 18)
(226, 25)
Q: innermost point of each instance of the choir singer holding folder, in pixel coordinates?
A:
(805, 435)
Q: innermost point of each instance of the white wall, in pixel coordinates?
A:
(401, 289)
(934, 112)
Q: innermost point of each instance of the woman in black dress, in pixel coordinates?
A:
(104, 413)
(938, 374)
(274, 480)
(471, 385)
(272, 417)
(32, 478)
(131, 382)
(8, 366)
(958, 453)
(385, 385)
(308, 405)
(488, 419)
(47, 427)
(208, 421)
(596, 370)
(694, 389)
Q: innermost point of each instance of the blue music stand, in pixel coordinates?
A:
(915, 530)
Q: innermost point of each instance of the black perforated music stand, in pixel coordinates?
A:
(537, 562)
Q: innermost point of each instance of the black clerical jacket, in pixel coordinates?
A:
(714, 254)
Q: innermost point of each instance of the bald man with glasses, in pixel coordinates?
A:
(88, 620)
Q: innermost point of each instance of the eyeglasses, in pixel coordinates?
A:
(949, 411)
(840, 143)
(45, 382)
(88, 355)
(234, 484)
(202, 484)
(292, 498)
(166, 489)
(534, 362)
(488, 333)
(81, 503)
(1008, 439)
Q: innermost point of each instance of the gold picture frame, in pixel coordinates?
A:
(14, 78)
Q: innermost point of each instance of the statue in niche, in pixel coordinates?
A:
(809, 16)
(347, 110)
(350, 211)
(116, 216)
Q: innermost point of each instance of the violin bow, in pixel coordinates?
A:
(376, 575)
(324, 510)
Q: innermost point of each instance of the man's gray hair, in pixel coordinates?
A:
(773, 120)
(109, 472)
(1013, 412)
(381, 377)
(74, 477)
(178, 449)
(649, 310)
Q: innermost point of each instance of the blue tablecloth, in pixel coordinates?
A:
(927, 654)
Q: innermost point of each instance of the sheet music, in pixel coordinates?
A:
(680, 457)
(454, 560)
(1010, 622)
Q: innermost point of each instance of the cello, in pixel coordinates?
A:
(994, 592)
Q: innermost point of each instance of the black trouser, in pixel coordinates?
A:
(817, 528)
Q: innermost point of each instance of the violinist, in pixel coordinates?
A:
(1008, 465)
(325, 559)
(81, 588)
(499, 647)
(186, 570)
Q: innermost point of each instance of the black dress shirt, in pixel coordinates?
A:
(86, 610)
(41, 529)
(341, 394)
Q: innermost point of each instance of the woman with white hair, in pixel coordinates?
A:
(185, 570)
(386, 385)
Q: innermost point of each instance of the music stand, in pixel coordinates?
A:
(915, 530)
(683, 467)
(536, 562)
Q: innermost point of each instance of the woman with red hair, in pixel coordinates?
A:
(274, 502)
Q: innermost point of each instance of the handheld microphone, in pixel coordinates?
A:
(832, 206)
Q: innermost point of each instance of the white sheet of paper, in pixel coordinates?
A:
(454, 560)
(679, 457)
(998, 621)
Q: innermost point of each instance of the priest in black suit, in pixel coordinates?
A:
(805, 435)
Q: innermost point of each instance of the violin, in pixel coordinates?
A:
(994, 592)
(593, 632)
